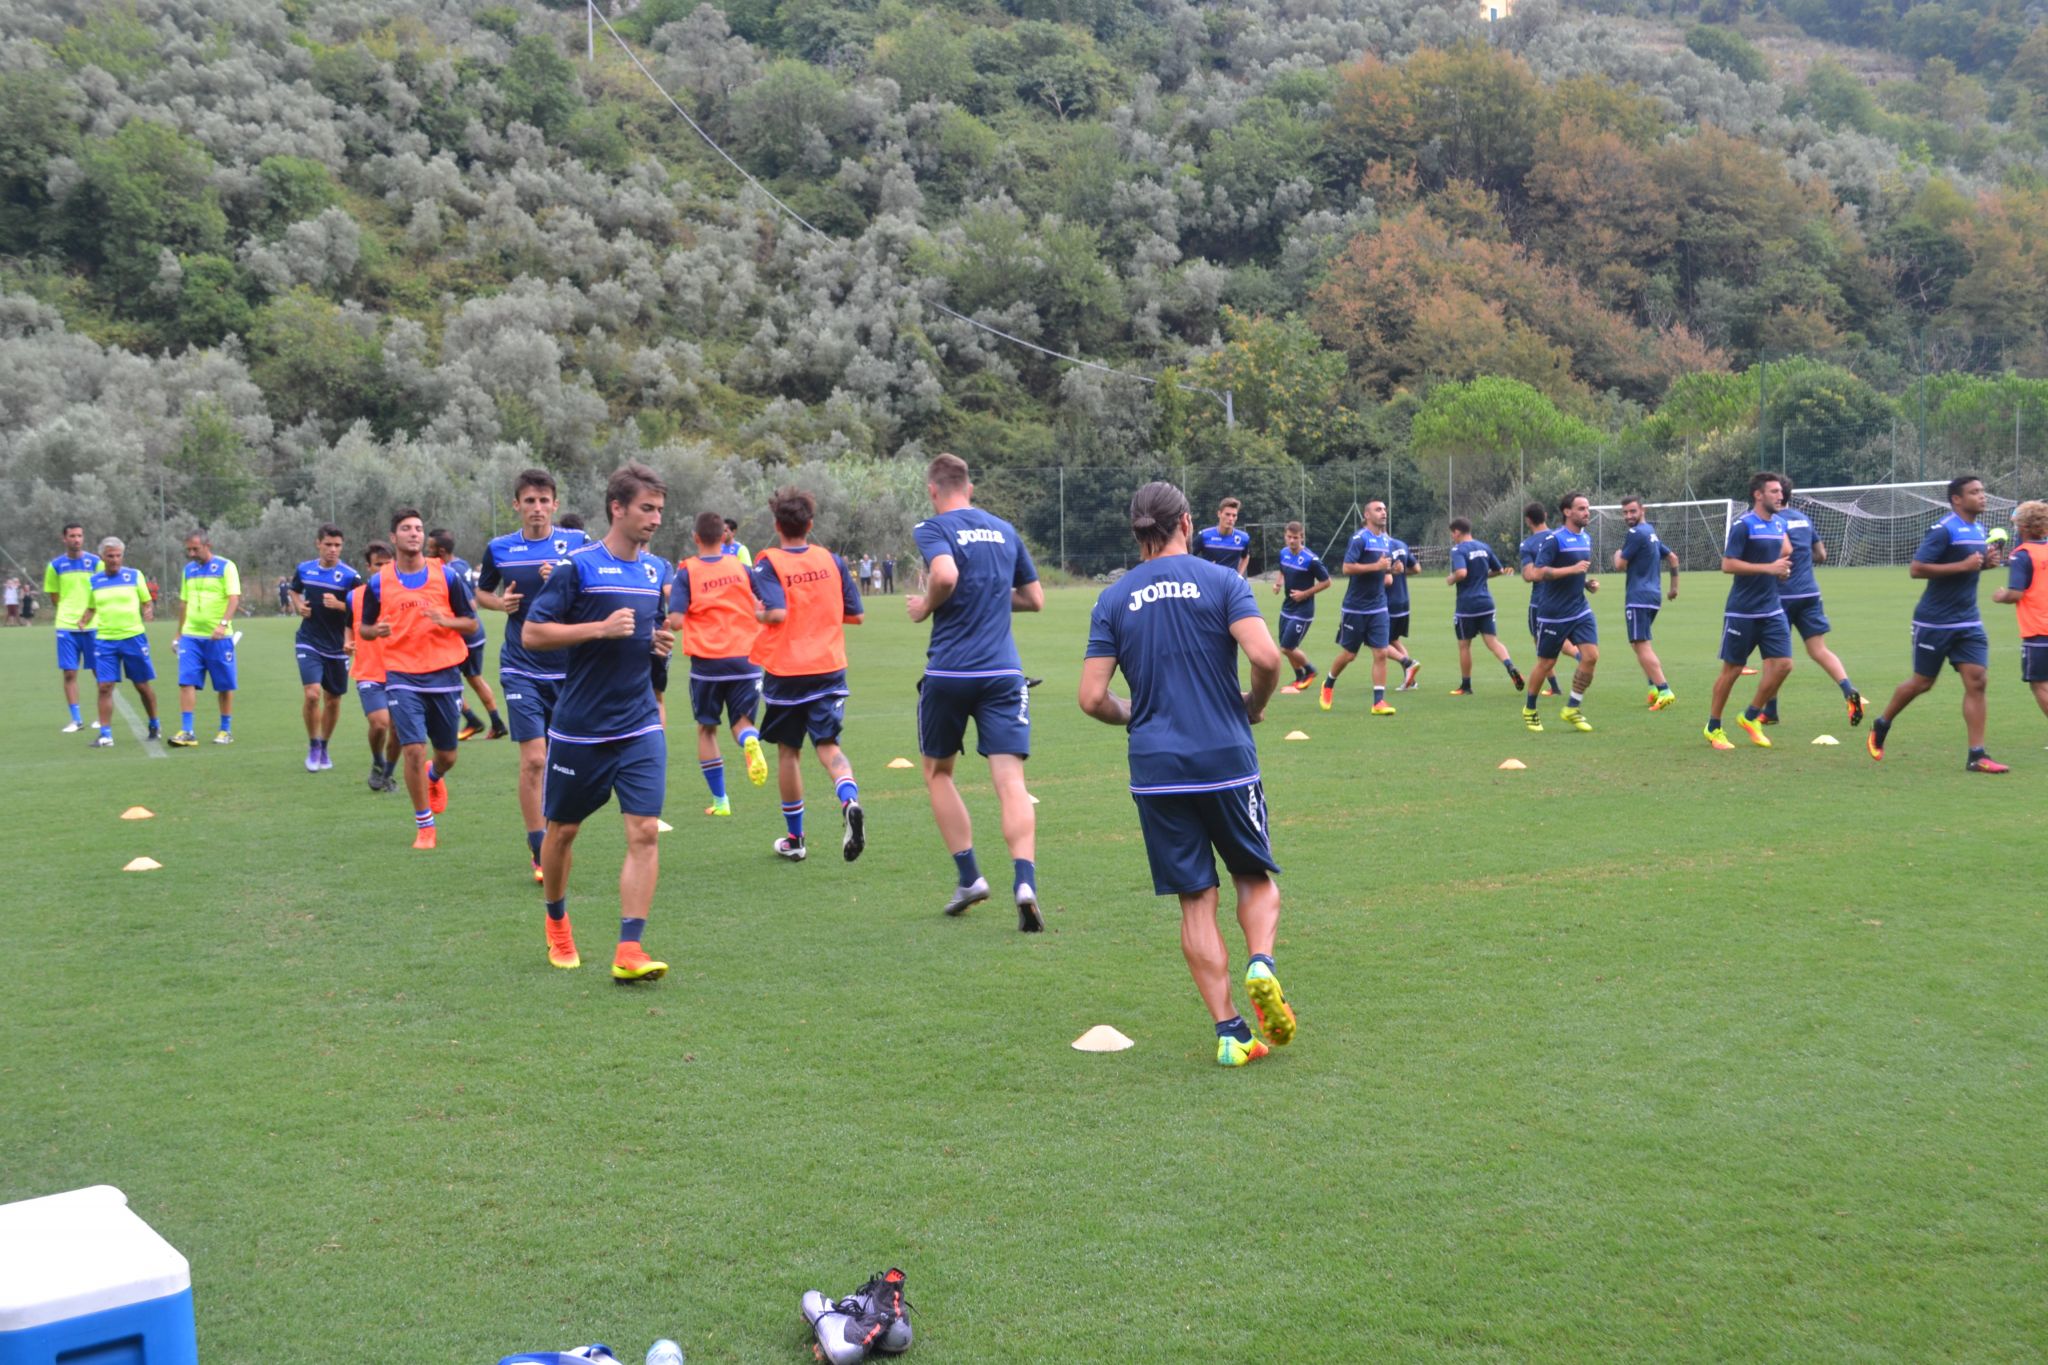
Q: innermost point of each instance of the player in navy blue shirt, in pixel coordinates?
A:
(1643, 557)
(1301, 576)
(1473, 567)
(1362, 618)
(1946, 625)
(1757, 558)
(1174, 626)
(1800, 596)
(1401, 563)
(1223, 543)
(1562, 570)
(321, 644)
(977, 572)
(515, 568)
(605, 609)
(1536, 517)
(441, 546)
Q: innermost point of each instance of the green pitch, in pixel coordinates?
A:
(1647, 1052)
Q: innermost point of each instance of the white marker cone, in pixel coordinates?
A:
(662, 826)
(1296, 734)
(1101, 1038)
(1034, 800)
(1825, 739)
(142, 865)
(138, 813)
(901, 763)
(1513, 765)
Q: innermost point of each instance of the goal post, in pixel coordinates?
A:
(1697, 532)
(1881, 523)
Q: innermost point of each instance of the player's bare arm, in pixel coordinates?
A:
(1095, 697)
(1030, 597)
(1264, 656)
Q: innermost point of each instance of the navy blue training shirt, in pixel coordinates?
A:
(1950, 601)
(1300, 570)
(323, 631)
(1404, 562)
(1475, 598)
(1642, 554)
(971, 629)
(1754, 540)
(1802, 582)
(516, 560)
(1219, 546)
(1563, 599)
(1365, 593)
(609, 691)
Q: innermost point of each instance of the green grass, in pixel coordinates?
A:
(1647, 1052)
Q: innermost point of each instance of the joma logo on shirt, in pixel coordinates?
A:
(1152, 592)
(809, 576)
(980, 536)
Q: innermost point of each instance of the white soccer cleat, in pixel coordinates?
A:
(1029, 921)
(103, 742)
(964, 896)
(791, 849)
(73, 728)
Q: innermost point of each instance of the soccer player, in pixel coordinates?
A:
(1174, 625)
(1362, 620)
(67, 582)
(119, 606)
(603, 609)
(1800, 596)
(1946, 625)
(1536, 517)
(1402, 563)
(712, 604)
(1473, 566)
(421, 609)
(1223, 543)
(515, 567)
(807, 594)
(318, 592)
(441, 546)
(1302, 575)
(370, 674)
(2026, 587)
(1758, 557)
(731, 544)
(1562, 570)
(1644, 557)
(211, 596)
(977, 572)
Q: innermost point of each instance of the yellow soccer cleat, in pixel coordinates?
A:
(1573, 717)
(562, 945)
(1662, 699)
(1532, 720)
(757, 762)
(1327, 698)
(1717, 737)
(1755, 730)
(1230, 1052)
(1269, 1003)
(1380, 708)
(719, 808)
(631, 963)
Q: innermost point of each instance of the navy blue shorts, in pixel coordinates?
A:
(1959, 645)
(473, 662)
(716, 699)
(1532, 620)
(1472, 627)
(1552, 636)
(373, 697)
(529, 705)
(1293, 630)
(582, 777)
(1806, 616)
(2034, 659)
(114, 657)
(1357, 633)
(206, 661)
(1397, 625)
(1638, 617)
(999, 707)
(1186, 831)
(77, 649)
(820, 718)
(329, 672)
(1742, 636)
(431, 718)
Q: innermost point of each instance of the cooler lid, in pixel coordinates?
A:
(84, 1251)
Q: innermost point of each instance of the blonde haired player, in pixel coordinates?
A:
(2026, 587)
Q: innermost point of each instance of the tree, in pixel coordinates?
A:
(539, 85)
(294, 188)
(38, 120)
(1729, 50)
(142, 190)
(1285, 386)
(1471, 438)
(313, 360)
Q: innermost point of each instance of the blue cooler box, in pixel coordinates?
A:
(83, 1281)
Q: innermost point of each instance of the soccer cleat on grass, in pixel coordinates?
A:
(1461, 691)
(312, 759)
(537, 877)
(71, 729)
(182, 740)
(424, 838)
(1269, 1003)
(1328, 697)
(720, 807)
(470, 730)
(853, 830)
(103, 742)
(1768, 719)
(1516, 678)
(1380, 708)
(1572, 716)
(1414, 671)
(790, 847)
(1230, 1052)
(1552, 687)
(1854, 702)
(1875, 745)
(871, 1319)
(1029, 921)
(1662, 699)
(498, 729)
(1755, 731)
(1533, 721)
(1717, 737)
(964, 896)
(326, 761)
(757, 762)
(1986, 764)
(377, 781)
(562, 945)
(155, 731)
(631, 963)
(437, 795)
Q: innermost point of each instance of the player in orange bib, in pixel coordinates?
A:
(806, 597)
(367, 655)
(711, 605)
(2026, 587)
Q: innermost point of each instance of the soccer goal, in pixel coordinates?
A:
(1696, 532)
(1868, 524)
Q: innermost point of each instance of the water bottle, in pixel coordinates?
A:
(664, 1352)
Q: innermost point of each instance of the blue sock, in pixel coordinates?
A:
(1329, 682)
(1235, 1027)
(1661, 685)
(227, 723)
(631, 929)
(1713, 722)
(75, 719)
(847, 790)
(1465, 683)
(1266, 958)
(558, 909)
(424, 819)
(533, 838)
(1846, 688)
(749, 733)
(1750, 713)
(106, 732)
(1771, 708)
(714, 777)
(185, 720)
(433, 772)
(1379, 694)
(1532, 700)
(793, 816)
(1508, 664)
(964, 863)
(1026, 874)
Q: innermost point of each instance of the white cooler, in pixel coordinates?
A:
(83, 1281)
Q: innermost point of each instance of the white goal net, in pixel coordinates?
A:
(1868, 524)
(1696, 532)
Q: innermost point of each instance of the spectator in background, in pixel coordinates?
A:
(10, 595)
(284, 597)
(867, 570)
(888, 573)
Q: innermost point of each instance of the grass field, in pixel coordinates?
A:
(1647, 1052)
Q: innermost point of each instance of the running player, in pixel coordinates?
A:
(422, 611)
(515, 567)
(1174, 625)
(1644, 558)
(1301, 576)
(977, 573)
(1562, 571)
(603, 608)
(1759, 557)
(67, 582)
(116, 612)
(1223, 543)
(318, 593)
(1946, 625)
(1537, 518)
(807, 596)
(1473, 566)
(441, 546)
(1362, 621)
(1800, 596)
(2026, 587)
(712, 605)
(1402, 564)
(370, 674)
(207, 604)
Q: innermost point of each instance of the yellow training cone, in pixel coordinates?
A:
(901, 763)
(1513, 765)
(138, 813)
(1101, 1038)
(143, 865)
(1296, 734)
(1825, 739)
(662, 826)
